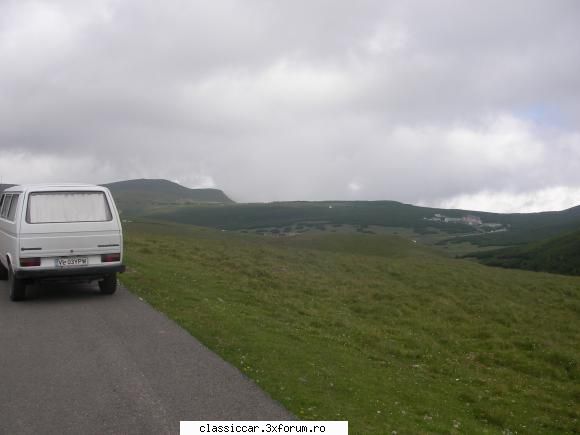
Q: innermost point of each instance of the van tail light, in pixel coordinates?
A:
(29, 262)
(109, 258)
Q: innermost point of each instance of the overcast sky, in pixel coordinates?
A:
(450, 103)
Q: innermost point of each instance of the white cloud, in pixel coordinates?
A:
(201, 182)
(551, 198)
(286, 85)
(503, 141)
(354, 187)
(26, 168)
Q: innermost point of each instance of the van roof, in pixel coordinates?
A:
(53, 187)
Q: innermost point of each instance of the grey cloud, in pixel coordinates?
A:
(415, 101)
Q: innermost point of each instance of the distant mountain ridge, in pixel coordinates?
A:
(169, 188)
(138, 196)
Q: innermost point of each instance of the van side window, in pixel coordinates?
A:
(2, 200)
(5, 206)
(12, 209)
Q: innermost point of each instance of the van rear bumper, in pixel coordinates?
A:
(79, 272)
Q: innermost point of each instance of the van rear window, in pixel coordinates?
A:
(62, 207)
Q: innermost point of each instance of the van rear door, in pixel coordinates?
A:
(70, 223)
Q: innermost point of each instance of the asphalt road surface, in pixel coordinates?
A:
(73, 361)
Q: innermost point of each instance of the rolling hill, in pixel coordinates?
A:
(140, 196)
(529, 227)
(559, 254)
(518, 228)
(279, 214)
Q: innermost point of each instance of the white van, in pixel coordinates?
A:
(62, 232)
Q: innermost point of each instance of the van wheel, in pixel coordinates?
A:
(3, 272)
(17, 287)
(108, 285)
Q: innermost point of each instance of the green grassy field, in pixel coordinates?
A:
(374, 329)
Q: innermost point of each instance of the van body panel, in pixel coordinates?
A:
(67, 243)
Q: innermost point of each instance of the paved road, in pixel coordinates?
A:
(74, 361)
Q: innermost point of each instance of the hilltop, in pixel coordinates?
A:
(143, 195)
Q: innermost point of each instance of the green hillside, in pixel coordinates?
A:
(558, 255)
(280, 214)
(518, 228)
(378, 331)
(134, 197)
(528, 227)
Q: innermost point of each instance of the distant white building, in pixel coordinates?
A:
(472, 220)
(468, 219)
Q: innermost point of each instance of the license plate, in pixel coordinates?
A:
(72, 261)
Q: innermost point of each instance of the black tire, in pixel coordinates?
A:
(17, 287)
(108, 285)
(3, 273)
